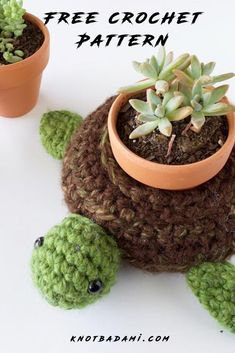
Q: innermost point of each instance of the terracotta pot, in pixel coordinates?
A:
(162, 176)
(20, 82)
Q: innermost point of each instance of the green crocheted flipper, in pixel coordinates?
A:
(214, 285)
(56, 129)
(75, 263)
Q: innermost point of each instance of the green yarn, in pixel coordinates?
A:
(214, 285)
(56, 129)
(71, 256)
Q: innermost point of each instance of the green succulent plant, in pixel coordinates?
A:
(12, 25)
(180, 90)
(158, 113)
(5, 44)
(13, 21)
(205, 102)
(7, 49)
(200, 71)
(2, 17)
(158, 70)
(13, 57)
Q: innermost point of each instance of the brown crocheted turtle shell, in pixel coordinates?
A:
(158, 230)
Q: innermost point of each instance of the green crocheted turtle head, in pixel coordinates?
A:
(56, 130)
(75, 263)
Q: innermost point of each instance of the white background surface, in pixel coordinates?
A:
(31, 200)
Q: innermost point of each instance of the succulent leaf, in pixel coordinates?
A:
(208, 68)
(136, 66)
(183, 77)
(174, 103)
(180, 113)
(198, 120)
(167, 96)
(140, 106)
(222, 77)
(187, 93)
(152, 99)
(165, 127)
(161, 56)
(19, 53)
(160, 111)
(146, 117)
(169, 59)
(148, 70)
(9, 46)
(197, 88)
(196, 106)
(173, 65)
(169, 76)
(185, 64)
(144, 129)
(138, 86)
(154, 64)
(11, 58)
(195, 67)
(217, 94)
(174, 85)
(206, 98)
(218, 109)
(206, 80)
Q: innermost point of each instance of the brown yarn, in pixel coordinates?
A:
(158, 230)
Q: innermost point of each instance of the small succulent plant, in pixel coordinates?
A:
(12, 25)
(12, 17)
(200, 71)
(205, 103)
(158, 113)
(9, 54)
(180, 91)
(158, 70)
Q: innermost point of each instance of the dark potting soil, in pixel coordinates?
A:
(29, 42)
(188, 147)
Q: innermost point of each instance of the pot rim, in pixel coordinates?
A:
(112, 122)
(38, 22)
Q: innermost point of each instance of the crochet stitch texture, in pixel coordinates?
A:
(75, 264)
(56, 129)
(71, 257)
(158, 230)
(214, 285)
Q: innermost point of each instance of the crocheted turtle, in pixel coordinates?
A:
(114, 216)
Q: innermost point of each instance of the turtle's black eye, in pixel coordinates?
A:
(38, 242)
(95, 286)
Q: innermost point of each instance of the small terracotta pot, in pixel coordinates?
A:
(162, 176)
(20, 82)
